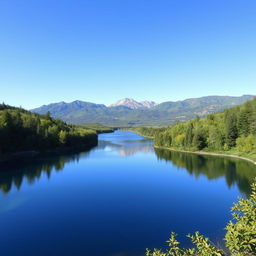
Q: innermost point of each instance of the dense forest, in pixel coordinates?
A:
(233, 131)
(21, 130)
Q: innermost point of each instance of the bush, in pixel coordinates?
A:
(241, 232)
(246, 144)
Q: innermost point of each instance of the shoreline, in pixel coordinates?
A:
(207, 153)
(199, 152)
(147, 137)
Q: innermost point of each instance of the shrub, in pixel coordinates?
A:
(246, 144)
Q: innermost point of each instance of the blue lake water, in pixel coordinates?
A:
(116, 199)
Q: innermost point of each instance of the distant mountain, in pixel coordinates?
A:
(128, 112)
(133, 104)
(148, 104)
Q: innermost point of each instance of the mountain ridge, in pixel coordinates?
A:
(164, 113)
(133, 104)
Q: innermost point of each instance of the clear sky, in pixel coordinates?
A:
(104, 50)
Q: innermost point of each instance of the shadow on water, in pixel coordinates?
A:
(236, 172)
(13, 175)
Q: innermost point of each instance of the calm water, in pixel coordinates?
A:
(116, 199)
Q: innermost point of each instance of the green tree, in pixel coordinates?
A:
(63, 137)
(244, 122)
(231, 128)
(189, 135)
(199, 141)
(246, 144)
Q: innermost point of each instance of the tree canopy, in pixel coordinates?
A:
(233, 129)
(22, 130)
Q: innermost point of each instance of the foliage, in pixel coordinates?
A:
(202, 248)
(241, 232)
(246, 143)
(232, 129)
(22, 130)
(240, 237)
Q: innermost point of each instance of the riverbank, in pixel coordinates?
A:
(224, 154)
(232, 154)
(145, 136)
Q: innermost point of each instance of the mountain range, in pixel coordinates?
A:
(133, 104)
(128, 112)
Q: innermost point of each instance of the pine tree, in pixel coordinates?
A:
(231, 128)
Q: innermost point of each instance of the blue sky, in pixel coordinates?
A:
(101, 51)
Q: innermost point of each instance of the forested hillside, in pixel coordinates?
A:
(22, 130)
(233, 130)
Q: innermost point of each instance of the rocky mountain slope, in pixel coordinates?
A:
(133, 104)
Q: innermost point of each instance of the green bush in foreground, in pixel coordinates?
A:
(240, 237)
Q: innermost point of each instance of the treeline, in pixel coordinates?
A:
(21, 130)
(234, 129)
(150, 131)
(99, 128)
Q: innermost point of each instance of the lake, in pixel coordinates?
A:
(117, 199)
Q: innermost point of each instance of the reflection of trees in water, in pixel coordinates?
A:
(14, 176)
(128, 148)
(32, 171)
(235, 171)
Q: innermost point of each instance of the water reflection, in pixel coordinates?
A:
(236, 172)
(120, 185)
(14, 175)
(127, 148)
